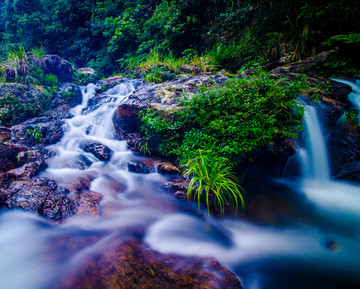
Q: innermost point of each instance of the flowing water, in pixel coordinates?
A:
(297, 233)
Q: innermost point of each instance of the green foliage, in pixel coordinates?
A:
(211, 179)
(35, 134)
(232, 120)
(352, 117)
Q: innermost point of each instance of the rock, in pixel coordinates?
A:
(131, 265)
(343, 146)
(163, 97)
(5, 133)
(8, 156)
(167, 168)
(44, 130)
(27, 171)
(339, 91)
(69, 95)
(126, 121)
(79, 162)
(310, 65)
(190, 69)
(58, 66)
(100, 151)
(87, 203)
(86, 70)
(39, 195)
(141, 167)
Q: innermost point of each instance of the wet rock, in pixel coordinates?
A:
(8, 156)
(39, 195)
(339, 91)
(5, 133)
(79, 162)
(167, 168)
(58, 66)
(163, 97)
(100, 151)
(131, 265)
(68, 95)
(43, 130)
(343, 146)
(34, 155)
(126, 121)
(27, 171)
(87, 203)
(141, 167)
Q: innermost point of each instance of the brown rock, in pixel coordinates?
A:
(8, 156)
(132, 266)
(5, 133)
(167, 168)
(126, 121)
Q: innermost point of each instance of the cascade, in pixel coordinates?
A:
(315, 161)
(136, 206)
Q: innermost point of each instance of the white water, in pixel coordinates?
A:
(315, 158)
(354, 96)
(30, 258)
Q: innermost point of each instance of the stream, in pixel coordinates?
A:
(297, 232)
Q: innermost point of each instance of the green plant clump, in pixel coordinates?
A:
(35, 134)
(213, 180)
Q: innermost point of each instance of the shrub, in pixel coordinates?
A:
(231, 119)
(212, 180)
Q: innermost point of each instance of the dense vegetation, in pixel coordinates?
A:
(112, 35)
(231, 119)
(221, 125)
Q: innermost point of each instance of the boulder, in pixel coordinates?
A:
(44, 130)
(167, 168)
(8, 156)
(69, 94)
(133, 266)
(163, 98)
(100, 151)
(5, 133)
(39, 195)
(126, 121)
(58, 66)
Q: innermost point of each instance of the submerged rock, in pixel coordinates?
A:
(100, 151)
(131, 265)
(144, 167)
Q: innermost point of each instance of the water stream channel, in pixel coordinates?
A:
(299, 232)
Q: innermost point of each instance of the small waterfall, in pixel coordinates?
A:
(315, 158)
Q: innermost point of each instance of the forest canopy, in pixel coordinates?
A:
(106, 34)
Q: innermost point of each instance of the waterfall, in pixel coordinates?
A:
(315, 159)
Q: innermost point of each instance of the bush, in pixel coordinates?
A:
(233, 119)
